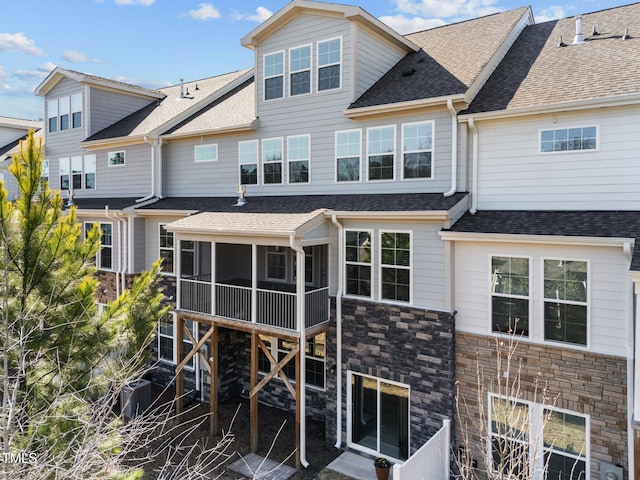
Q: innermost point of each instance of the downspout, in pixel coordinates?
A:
(339, 334)
(302, 339)
(106, 214)
(124, 235)
(153, 144)
(454, 148)
(474, 168)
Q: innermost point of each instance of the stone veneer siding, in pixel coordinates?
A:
(580, 381)
(408, 345)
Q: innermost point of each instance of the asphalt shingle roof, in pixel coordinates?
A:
(536, 72)
(101, 203)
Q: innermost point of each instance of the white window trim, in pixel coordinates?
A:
(85, 172)
(281, 162)
(394, 153)
(160, 248)
(335, 163)
(432, 150)
(116, 165)
(52, 114)
(173, 340)
(410, 268)
(197, 147)
(287, 266)
(570, 152)
(257, 162)
(587, 304)
(76, 95)
(67, 162)
(310, 69)
(88, 226)
(529, 297)
(371, 264)
(318, 66)
(289, 160)
(265, 77)
(66, 102)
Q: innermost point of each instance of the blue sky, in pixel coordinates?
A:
(154, 43)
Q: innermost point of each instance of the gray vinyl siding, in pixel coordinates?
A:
(139, 244)
(63, 143)
(107, 107)
(8, 135)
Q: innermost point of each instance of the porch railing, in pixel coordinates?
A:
(429, 462)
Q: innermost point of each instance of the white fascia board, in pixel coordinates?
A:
(148, 212)
(248, 127)
(403, 107)
(539, 239)
(231, 232)
(403, 215)
(115, 142)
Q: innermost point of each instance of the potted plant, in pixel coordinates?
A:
(382, 468)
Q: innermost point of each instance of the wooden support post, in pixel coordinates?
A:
(253, 398)
(213, 382)
(179, 368)
(299, 391)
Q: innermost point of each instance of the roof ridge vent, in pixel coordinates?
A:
(578, 38)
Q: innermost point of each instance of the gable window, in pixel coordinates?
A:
(115, 159)
(348, 152)
(76, 110)
(381, 143)
(206, 153)
(565, 301)
(300, 70)
(298, 158)
(417, 150)
(52, 115)
(272, 160)
(510, 295)
(568, 139)
(358, 263)
(166, 251)
(395, 266)
(63, 106)
(248, 158)
(274, 76)
(329, 58)
(276, 263)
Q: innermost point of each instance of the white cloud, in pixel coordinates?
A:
(77, 57)
(47, 67)
(404, 25)
(550, 13)
(205, 12)
(144, 3)
(17, 42)
(260, 16)
(449, 9)
(3, 74)
(40, 72)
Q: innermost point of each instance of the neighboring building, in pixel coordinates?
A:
(12, 130)
(363, 203)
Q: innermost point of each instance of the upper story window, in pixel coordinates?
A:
(298, 158)
(568, 139)
(52, 115)
(76, 110)
(565, 301)
(248, 158)
(206, 153)
(381, 145)
(77, 172)
(166, 251)
(348, 153)
(329, 64)
(395, 266)
(115, 159)
(63, 108)
(274, 75)
(510, 295)
(64, 113)
(358, 263)
(300, 70)
(417, 150)
(272, 160)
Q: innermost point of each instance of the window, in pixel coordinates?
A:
(272, 160)
(395, 266)
(187, 344)
(417, 150)
(329, 58)
(298, 158)
(166, 251)
(276, 263)
(76, 172)
(248, 157)
(300, 70)
(63, 166)
(90, 172)
(381, 147)
(187, 259)
(358, 263)
(510, 295)
(565, 301)
(206, 153)
(63, 106)
(530, 435)
(45, 171)
(76, 169)
(166, 338)
(274, 76)
(115, 159)
(76, 110)
(52, 115)
(105, 255)
(348, 151)
(568, 139)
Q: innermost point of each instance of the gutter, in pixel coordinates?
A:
(474, 168)
(339, 333)
(454, 148)
(355, 113)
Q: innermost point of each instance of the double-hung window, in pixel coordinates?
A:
(510, 295)
(52, 115)
(166, 338)
(276, 263)
(329, 60)
(64, 169)
(272, 160)
(565, 301)
(298, 149)
(395, 266)
(381, 142)
(166, 251)
(568, 139)
(206, 153)
(248, 158)
(77, 172)
(63, 105)
(417, 150)
(104, 258)
(358, 263)
(90, 172)
(274, 75)
(45, 171)
(300, 70)
(348, 153)
(76, 110)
